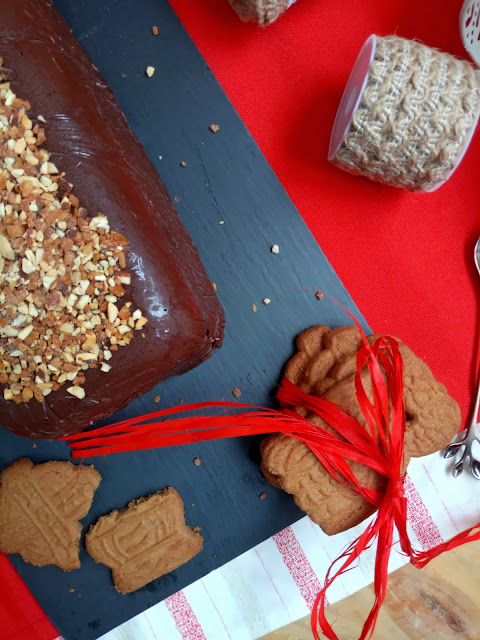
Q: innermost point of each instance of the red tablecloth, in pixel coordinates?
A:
(406, 259)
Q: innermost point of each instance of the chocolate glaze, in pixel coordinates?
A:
(89, 139)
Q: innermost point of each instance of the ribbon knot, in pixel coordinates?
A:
(396, 488)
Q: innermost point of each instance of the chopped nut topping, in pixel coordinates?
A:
(112, 312)
(319, 295)
(155, 30)
(214, 128)
(62, 272)
(183, 163)
(6, 248)
(266, 301)
(197, 462)
(150, 71)
(275, 249)
(78, 392)
(236, 392)
(254, 308)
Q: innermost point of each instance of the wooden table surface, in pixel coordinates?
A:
(439, 602)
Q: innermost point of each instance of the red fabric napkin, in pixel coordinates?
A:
(21, 618)
(406, 259)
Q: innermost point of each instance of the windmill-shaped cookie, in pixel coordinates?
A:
(40, 509)
(144, 541)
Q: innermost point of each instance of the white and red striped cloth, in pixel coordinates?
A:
(276, 582)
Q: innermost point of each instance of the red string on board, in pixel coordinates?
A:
(378, 445)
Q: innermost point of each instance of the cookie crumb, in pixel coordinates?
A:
(155, 30)
(254, 308)
(236, 392)
(197, 529)
(214, 128)
(214, 285)
(71, 591)
(150, 71)
(197, 462)
(275, 248)
(319, 295)
(156, 399)
(266, 301)
(263, 495)
(183, 163)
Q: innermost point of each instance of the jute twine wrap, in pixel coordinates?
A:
(262, 11)
(414, 117)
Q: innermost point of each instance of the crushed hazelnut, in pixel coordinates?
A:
(275, 248)
(266, 301)
(6, 250)
(197, 462)
(183, 163)
(319, 295)
(112, 311)
(76, 391)
(263, 495)
(156, 399)
(62, 271)
(214, 128)
(254, 308)
(155, 30)
(236, 392)
(150, 71)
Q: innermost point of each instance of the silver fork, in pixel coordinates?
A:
(471, 434)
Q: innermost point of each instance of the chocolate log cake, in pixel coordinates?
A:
(102, 293)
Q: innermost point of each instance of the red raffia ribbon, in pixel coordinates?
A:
(378, 446)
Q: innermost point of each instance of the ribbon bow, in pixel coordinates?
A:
(378, 445)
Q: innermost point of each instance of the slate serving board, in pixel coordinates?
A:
(226, 179)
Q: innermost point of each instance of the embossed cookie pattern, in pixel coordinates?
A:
(144, 541)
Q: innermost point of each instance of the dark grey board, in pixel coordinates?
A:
(226, 178)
